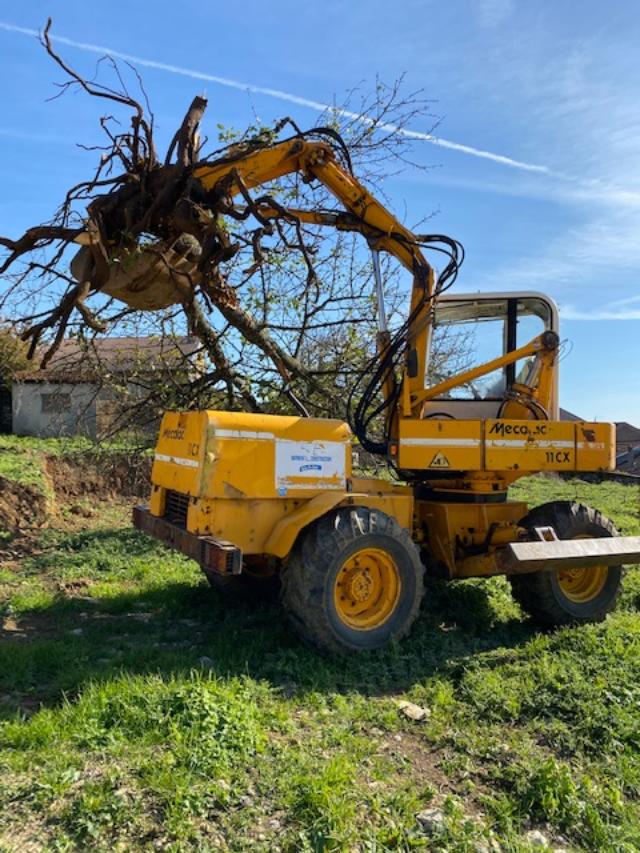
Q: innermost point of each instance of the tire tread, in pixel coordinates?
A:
(303, 575)
(534, 592)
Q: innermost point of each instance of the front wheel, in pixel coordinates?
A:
(575, 595)
(353, 581)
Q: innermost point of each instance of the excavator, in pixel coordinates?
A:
(256, 497)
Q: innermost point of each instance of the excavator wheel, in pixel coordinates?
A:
(353, 582)
(569, 596)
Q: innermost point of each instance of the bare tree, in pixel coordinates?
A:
(284, 311)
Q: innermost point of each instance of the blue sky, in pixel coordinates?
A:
(547, 85)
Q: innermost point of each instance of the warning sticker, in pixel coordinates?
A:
(439, 461)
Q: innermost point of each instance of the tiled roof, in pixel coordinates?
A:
(627, 432)
(77, 361)
(565, 415)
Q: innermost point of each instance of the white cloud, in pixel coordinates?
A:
(319, 106)
(587, 268)
(570, 312)
(578, 95)
(574, 111)
(618, 303)
(555, 187)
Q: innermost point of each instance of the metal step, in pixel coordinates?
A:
(521, 557)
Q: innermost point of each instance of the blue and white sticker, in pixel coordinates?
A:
(310, 464)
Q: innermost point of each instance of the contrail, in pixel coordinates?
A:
(285, 96)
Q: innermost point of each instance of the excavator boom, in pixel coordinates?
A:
(160, 275)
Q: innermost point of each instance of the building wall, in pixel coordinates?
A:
(54, 409)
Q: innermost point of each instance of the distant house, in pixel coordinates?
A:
(628, 448)
(85, 387)
(565, 415)
(627, 436)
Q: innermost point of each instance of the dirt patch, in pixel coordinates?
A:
(425, 764)
(24, 833)
(418, 758)
(103, 475)
(21, 506)
(71, 481)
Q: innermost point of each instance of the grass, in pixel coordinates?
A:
(23, 459)
(141, 711)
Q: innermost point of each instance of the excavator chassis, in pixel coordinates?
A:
(225, 558)
(253, 496)
(211, 554)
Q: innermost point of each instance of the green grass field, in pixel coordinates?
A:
(140, 711)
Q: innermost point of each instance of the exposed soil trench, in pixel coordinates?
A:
(103, 475)
(24, 507)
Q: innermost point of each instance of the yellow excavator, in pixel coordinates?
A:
(254, 497)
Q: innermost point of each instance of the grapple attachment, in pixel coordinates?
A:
(148, 277)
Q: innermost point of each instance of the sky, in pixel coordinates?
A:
(534, 164)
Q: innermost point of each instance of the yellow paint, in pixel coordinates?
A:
(234, 454)
(596, 446)
(397, 506)
(284, 533)
(157, 500)
(236, 492)
(179, 455)
(582, 585)
(439, 390)
(423, 444)
(526, 445)
(258, 480)
(367, 589)
(478, 566)
(231, 466)
(456, 528)
(503, 447)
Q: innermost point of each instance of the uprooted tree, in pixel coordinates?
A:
(284, 313)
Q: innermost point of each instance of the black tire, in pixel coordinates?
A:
(541, 594)
(310, 579)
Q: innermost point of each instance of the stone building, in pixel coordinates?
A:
(86, 387)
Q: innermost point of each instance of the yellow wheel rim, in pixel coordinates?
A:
(367, 589)
(582, 585)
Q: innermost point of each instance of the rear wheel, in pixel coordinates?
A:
(353, 581)
(568, 596)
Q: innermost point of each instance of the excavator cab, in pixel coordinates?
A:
(474, 328)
